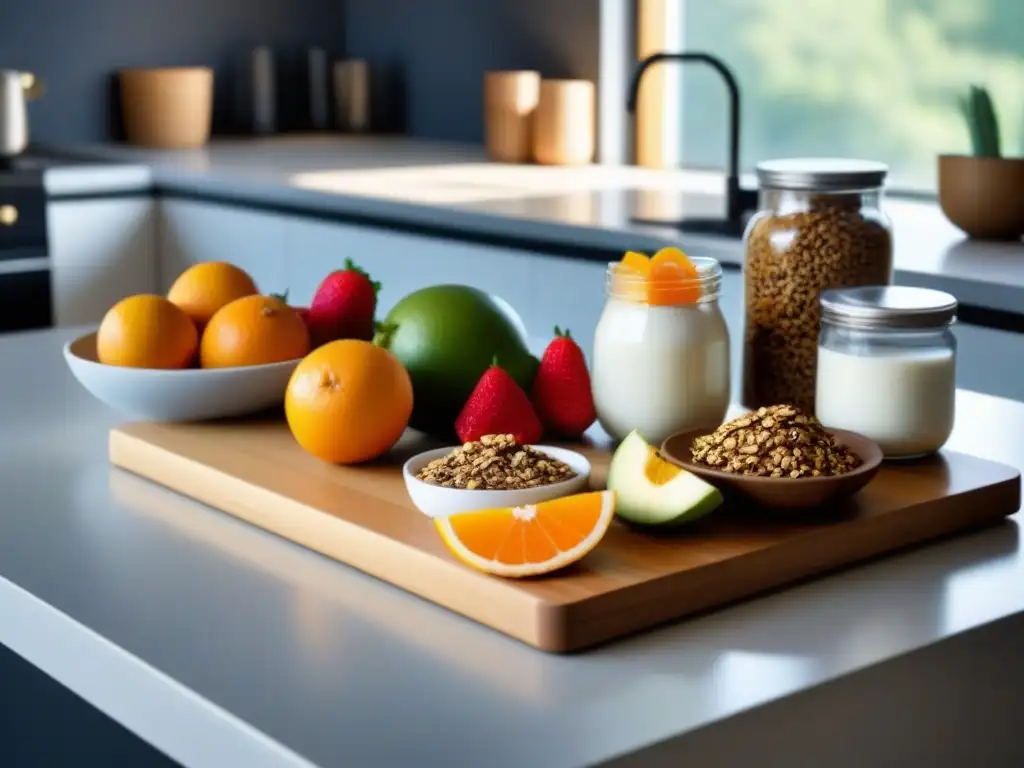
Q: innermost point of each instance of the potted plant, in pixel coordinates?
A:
(983, 193)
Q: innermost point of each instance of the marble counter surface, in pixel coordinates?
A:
(451, 188)
(224, 645)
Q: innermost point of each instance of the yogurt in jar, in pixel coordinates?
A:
(662, 369)
(887, 366)
(904, 400)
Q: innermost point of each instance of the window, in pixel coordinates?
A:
(869, 78)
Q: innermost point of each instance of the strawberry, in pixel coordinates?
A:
(561, 390)
(497, 405)
(344, 306)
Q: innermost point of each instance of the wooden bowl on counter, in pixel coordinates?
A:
(983, 196)
(781, 492)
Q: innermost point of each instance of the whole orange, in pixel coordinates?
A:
(348, 401)
(146, 331)
(253, 330)
(204, 288)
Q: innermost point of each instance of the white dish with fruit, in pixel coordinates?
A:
(191, 394)
(214, 346)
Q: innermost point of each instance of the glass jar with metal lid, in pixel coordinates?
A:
(887, 366)
(820, 226)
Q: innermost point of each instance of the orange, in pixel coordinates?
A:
(204, 288)
(253, 330)
(529, 540)
(146, 331)
(349, 401)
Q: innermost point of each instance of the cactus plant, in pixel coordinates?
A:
(982, 123)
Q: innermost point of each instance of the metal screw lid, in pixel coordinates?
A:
(821, 174)
(888, 306)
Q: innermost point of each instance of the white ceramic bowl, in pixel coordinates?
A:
(436, 501)
(185, 395)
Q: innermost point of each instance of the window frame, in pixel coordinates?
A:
(630, 30)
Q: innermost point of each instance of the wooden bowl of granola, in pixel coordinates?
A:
(782, 492)
(439, 486)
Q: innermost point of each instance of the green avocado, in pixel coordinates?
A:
(446, 336)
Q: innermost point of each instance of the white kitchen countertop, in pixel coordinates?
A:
(452, 186)
(223, 645)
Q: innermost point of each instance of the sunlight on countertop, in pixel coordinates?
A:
(462, 183)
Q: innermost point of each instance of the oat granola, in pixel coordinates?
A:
(495, 463)
(774, 441)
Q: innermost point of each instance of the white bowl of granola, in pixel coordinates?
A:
(446, 481)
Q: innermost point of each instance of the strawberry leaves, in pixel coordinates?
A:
(351, 266)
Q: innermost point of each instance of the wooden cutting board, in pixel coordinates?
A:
(362, 517)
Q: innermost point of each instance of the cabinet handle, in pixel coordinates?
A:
(8, 215)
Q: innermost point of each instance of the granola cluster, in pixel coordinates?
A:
(775, 441)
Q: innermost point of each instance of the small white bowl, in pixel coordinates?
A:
(437, 501)
(192, 394)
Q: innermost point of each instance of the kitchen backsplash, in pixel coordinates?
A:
(76, 46)
(427, 57)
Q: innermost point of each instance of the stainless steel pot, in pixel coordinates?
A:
(16, 89)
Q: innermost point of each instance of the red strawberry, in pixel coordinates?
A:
(343, 306)
(498, 406)
(561, 390)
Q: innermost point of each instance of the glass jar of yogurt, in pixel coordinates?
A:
(661, 367)
(887, 366)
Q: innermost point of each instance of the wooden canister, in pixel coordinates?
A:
(168, 108)
(564, 123)
(510, 100)
(352, 94)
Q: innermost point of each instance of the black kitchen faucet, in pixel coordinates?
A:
(739, 202)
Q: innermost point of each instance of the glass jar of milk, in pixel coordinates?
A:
(887, 366)
(661, 365)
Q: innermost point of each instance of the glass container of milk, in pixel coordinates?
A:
(661, 355)
(887, 366)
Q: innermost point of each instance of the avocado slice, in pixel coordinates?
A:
(652, 491)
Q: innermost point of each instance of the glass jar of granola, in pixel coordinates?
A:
(820, 226)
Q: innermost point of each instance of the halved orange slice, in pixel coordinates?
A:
(532, 539)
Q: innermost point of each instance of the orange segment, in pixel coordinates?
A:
(672, 255)
(630, 276)
(672, 279)
(532, 539)
(659, 471)
(636, 261)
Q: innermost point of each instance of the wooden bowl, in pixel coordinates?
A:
(983, 196)
(781, 492)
